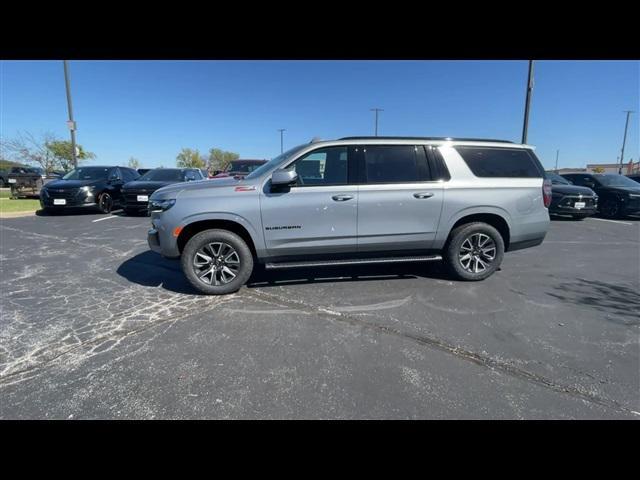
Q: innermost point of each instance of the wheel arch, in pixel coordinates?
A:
(496, 220)
(200, 225)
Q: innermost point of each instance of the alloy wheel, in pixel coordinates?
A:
(477, 252)
(216, 263)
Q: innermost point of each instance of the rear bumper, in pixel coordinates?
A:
(525, 244)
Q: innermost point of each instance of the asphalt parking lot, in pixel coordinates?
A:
(94, 325)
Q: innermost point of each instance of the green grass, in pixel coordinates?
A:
(20, 205)
(5, 192)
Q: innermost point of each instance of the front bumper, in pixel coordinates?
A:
(565, 205)
(153, 240)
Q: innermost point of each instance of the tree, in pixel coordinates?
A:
(188, 158)
(62, 151)
(219, 159)
(134, 163)
(29, 149)
(46, 151)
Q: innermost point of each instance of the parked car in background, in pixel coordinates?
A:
(136, 194)
(617, 195)
(142, 171)
(238, 168)
(87, 187)
(27, 181)
(375, 200)
(635, 177)
(568, 199)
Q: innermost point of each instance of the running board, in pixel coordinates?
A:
(356, 261)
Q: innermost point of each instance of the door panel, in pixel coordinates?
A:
(398, 216)
(307, 220)
(398, 204)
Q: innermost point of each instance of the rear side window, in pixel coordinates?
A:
(500, 162)
(393, 164)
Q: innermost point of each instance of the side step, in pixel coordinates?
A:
(355, 261)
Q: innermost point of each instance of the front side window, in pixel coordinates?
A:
(500, 162)
(325, 166)
(392, 164)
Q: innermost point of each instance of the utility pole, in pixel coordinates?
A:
(624, 140)
(557, 154)
(377, 110)
(527, 104)
(71, 124)
(281, 130)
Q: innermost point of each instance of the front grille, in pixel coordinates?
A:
(67, 194)
(569, 201)
(131, 196)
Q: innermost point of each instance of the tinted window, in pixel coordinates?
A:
(129, 175)
(242, 167)
(581, 180)
(500, 162)
(87, 173)
(325, 166)
(164, 175)
(557, 179)
(391, 164)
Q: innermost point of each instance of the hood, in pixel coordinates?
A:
(146, 185)
(171, 191)
(571, 190)
(68, 184)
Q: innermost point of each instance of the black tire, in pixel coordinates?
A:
(201, 242)
(454, 251)
(610, 208)
(105, 203)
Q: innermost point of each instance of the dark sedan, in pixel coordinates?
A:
(568, 199)
(136, 194)
(87, 187)
(619, 196)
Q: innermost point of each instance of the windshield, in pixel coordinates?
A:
(242, 167)
(265, 167)
(616, 181)
(163, 175)
(87, 173)
(557, 179)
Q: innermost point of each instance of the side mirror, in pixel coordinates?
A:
(284, 177)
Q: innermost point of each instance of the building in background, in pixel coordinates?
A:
(627, 169)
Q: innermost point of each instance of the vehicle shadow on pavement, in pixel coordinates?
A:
(151, 270)
(620, 302)
(67, 212)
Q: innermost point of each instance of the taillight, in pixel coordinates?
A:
(546, 192)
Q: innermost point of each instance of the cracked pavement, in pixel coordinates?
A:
(93, 325)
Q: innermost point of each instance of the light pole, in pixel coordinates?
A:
(71, 124)
(624, 140)
(377, 110)
(281, 130)
(557, 154)
(527, 104)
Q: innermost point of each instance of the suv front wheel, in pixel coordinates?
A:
(475, 251)
(217, 262)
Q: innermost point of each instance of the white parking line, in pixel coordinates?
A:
(104, 218)
(612, 221)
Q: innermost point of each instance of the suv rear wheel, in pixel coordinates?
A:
(475, 251)
(217, 262)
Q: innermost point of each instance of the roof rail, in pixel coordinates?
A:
(428, 138)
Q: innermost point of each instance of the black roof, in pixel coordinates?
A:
(428, 138)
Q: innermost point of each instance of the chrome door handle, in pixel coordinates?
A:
(423, 195)
(342, 198)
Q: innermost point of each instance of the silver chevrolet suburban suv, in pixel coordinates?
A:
(357, 200)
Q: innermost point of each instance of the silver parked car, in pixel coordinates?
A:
(358, 200)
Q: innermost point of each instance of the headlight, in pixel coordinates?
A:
(161, 205)
(86, 189)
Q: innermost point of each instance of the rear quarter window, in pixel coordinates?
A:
(501, 162)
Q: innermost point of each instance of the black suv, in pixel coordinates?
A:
(87, 187)
(618, 195)
(568, 199)
(136, 194)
